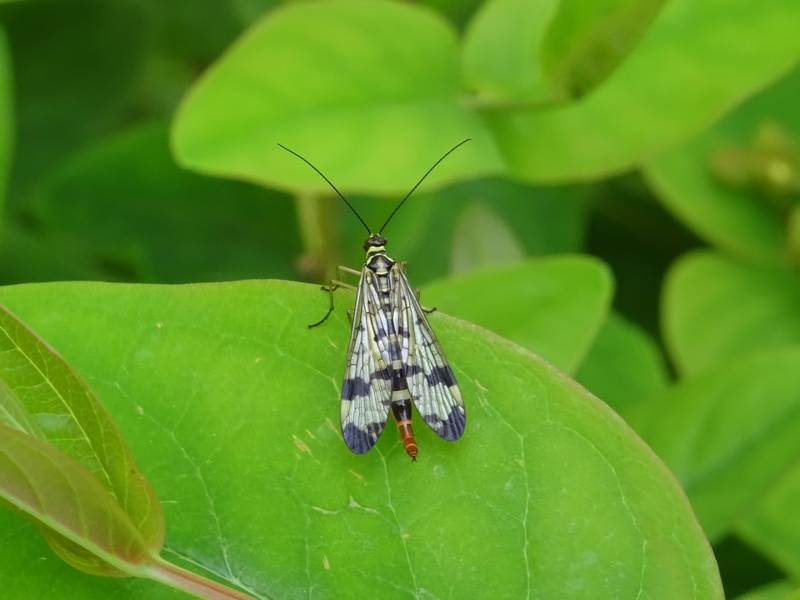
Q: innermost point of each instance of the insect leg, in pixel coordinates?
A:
(332, 287)
(416, 291)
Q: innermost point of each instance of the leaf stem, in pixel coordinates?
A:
(176, 577)
(316, 215)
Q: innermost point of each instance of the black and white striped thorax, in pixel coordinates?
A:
(394, 358)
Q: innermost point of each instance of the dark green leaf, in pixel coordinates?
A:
(75, 63)
(777, 590)
(160, 222)
(6, 128)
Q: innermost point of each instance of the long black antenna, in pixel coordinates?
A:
(369, 231)
(330, 184)
(419, 182)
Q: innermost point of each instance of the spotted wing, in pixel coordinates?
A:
(366, 389)
(431, 380)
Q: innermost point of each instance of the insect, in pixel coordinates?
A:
(394, 357)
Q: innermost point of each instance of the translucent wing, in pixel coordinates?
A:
(430, 379)
(366, 389)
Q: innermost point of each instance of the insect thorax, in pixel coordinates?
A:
(377, 261)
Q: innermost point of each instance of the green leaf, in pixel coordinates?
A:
(587, 41)
(552, 306)
(482, 238)
(6, 117)
(715, 309)
(730, 434)
(501, 52)
(199, 31)
(624, 368)
(662, 95)
(741, 219)
(25, 257)
(776, 590)
(248, 11)
(75, 63)
(78, 516)
(232, 403)
(522, 54)
(160, 222)
(352, 85)
(774, 527)
(793, 235)
(44, 397)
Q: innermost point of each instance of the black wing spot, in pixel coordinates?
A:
(360, 441)
(441, 375)
(358, 387)
(355, 387)
(453, 427)
(450, 428)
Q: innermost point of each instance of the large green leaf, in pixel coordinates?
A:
(715, 309)
(730, 433)
(333, 81)
(230, 404)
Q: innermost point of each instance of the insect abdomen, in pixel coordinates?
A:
(401, 410)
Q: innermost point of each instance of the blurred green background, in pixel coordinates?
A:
(138, 144)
